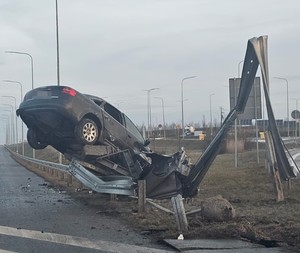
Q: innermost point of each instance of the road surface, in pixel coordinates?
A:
(35, 217)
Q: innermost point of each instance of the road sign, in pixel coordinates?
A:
(295, 114)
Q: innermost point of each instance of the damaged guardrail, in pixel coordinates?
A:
(121, 185)
(256, 55)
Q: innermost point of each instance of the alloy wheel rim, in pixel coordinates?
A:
(89, 132)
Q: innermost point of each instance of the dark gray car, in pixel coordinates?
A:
(66, 119)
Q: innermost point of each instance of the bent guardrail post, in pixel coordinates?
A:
(271, 157)
(141, 195)
(180, 215)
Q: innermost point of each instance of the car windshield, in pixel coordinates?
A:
(131, 127)
(43, 93)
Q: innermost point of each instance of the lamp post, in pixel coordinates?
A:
(22, 125)
(17, 140)
(32, 83)
(12, 121)
(296, 99)
(57, 44)
(296, 123)
(239, 75)
(182, 112)
(8, 130)
(149, 108)
(236, 120)
(21, 86)
(163, 113)
(210, 113)
(31, 60)
(57, 61)
(287, 104)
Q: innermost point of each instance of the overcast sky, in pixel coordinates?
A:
(117, 49)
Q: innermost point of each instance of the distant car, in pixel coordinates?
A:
(66, 119)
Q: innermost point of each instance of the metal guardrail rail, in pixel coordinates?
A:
(121, 185)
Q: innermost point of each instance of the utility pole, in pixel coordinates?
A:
(222, 117)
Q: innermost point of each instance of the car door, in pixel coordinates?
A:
(114, 130)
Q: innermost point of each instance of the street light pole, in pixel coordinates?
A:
(210, 113)
(287, 104)
(163, 111)
(8, 130)
(17, 141)
(57, 62)
(32, 83)
(182, 112)
(31, 60)
(12, 120)
(22, 125)
(149, 109)
(296, 123)
(57, 44)
(239, 75)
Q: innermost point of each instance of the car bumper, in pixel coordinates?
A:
(45, 115)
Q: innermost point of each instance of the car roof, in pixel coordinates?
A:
(100, 99)
(94, 97)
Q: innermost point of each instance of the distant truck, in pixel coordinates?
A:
(189, 130)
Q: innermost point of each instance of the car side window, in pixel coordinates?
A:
(97, 102)
(112, 111)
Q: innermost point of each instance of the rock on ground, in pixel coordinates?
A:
(217, 209)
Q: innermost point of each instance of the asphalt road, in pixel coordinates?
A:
(35, 217)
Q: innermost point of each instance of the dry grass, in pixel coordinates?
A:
(250, 190)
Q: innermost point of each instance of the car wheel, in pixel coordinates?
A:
(33, 140)
(86, 132)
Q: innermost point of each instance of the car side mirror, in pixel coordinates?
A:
(147, 142)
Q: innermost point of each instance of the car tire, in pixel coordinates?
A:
(33, 140)
(87, 132)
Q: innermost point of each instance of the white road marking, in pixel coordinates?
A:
(77, 241)
(6, 251)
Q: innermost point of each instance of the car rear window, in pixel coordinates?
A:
(43, 92)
